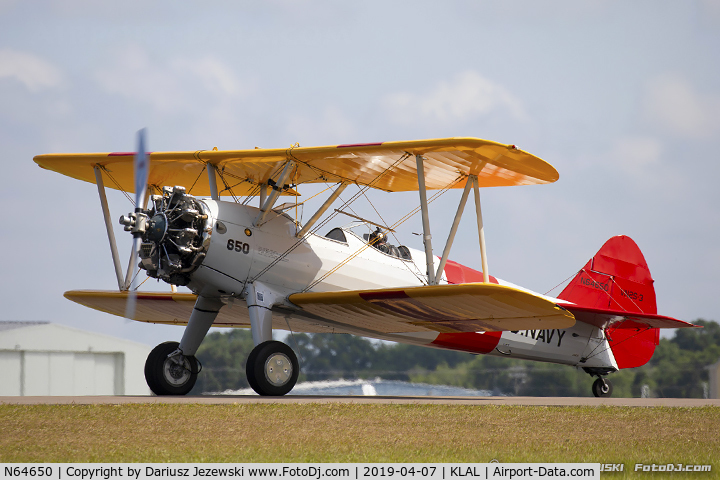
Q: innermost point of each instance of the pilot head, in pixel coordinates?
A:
(379, 237)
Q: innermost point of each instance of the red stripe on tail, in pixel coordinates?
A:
(457, 273)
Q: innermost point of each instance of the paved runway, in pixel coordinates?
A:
(361, 400)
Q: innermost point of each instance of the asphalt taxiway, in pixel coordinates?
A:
(361, 400)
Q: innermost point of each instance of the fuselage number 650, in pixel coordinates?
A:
(238, 246)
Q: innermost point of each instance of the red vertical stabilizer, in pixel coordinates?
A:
(616, 278)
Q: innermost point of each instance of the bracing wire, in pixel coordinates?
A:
(107, 172)
(298, 243)
(563, 282)
(594, 351)
(196, 179)
(329, 217)
(595, 354)
(435, 196)
(365, 246)
(609, 295)
(227, 188)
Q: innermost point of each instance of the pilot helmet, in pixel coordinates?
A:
(379, 236)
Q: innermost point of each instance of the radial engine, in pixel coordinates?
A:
(175, 235)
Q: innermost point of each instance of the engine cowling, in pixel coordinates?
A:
(175, 235)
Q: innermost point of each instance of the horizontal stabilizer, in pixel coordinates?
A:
(604, 318)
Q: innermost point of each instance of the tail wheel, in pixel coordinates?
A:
(602, 387)
(272, 368)
(174, 375)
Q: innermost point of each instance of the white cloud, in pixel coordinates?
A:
(467, 96)
(674, 105)
(635, 159)
(32, 71)
(168, 86)
(134, 76)
(214, 75)
(635, 155)
(333, 126)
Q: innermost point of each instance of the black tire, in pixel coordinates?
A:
(166, 376)
(602, 388)
(272, 368)
(250, 367)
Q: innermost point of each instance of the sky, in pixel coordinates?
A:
(623, 98)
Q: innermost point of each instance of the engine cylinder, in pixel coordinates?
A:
(177, 236)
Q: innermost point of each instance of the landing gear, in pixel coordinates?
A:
(602, 387)
(272, 368)
(174, 375)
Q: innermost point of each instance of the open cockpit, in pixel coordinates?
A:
(340, 235)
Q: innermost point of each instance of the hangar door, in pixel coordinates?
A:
(61, 373)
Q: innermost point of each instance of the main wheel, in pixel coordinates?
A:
(272, 368)
(170, 376)
(602, 387)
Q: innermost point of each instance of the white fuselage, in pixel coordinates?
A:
(272, 254)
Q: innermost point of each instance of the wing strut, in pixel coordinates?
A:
(212, 181)
(109, 227)
(272, 198)
(306, 228)
(433, 277)
(453, 230)
(427, 237)
(263, 194)
(472, 182)
(481, 231)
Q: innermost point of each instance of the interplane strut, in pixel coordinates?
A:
(109, 227)
(472, 182)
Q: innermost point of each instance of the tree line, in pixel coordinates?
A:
(677, 369)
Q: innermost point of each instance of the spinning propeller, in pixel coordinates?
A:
(171, 237)
(136, 222)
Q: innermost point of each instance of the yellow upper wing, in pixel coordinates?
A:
(388, 166)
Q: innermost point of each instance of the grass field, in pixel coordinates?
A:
(360, 433)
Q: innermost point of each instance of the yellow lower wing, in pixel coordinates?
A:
(442, 308)
(473, 307)
(175, 309)
(152, 307)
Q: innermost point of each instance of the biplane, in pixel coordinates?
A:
(256, 266)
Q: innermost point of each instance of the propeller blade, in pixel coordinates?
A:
(140, 168)
(131, 302)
